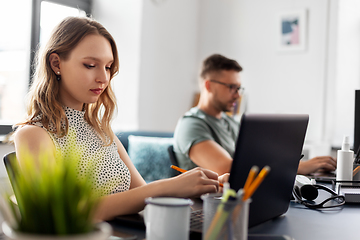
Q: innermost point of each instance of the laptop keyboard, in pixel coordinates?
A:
(196, 220)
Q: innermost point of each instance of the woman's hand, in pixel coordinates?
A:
(193, 183)
(223, 179)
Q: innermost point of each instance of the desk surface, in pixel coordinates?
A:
(298, 222)
(303, 223)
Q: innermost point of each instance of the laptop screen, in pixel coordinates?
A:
(275, 140)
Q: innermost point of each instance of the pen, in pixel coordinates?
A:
(183, 170)
(258, 180)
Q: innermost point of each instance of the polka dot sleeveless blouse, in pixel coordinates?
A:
(112, 173)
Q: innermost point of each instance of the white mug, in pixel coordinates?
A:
(167, 218)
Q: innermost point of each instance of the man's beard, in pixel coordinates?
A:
(224, 107)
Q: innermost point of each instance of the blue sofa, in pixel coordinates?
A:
(148, 150)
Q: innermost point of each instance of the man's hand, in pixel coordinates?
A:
(325, 163)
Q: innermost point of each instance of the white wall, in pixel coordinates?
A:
(276, 82)
(161, 46)
(158, 59)
(347, 68)
(169, 59)
(123, 20)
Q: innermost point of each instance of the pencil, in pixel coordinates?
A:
(253, 171)
(220, 216)
(183, 170)
(178, 169)
(250, 187)
(249, 180)
(356, 170)
(258, 180)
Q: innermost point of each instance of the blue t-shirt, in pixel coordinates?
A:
(196, 126)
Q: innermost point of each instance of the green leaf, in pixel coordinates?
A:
(52, 198)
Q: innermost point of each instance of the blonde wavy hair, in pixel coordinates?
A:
(43, 97)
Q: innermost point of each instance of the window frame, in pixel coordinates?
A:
(85, 5)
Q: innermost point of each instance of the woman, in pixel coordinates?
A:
(71, 90)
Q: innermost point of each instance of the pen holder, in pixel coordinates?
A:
(231, 222)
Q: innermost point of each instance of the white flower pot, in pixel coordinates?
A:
(102, 231)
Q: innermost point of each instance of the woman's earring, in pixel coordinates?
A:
(58, 76)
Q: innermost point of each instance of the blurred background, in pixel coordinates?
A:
(161, 44)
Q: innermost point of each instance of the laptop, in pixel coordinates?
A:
(327, 177)
(275, 140)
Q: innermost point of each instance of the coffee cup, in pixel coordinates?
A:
(167, 218)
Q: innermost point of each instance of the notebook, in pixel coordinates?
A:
(264, 139)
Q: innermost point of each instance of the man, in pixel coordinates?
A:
(205, 136)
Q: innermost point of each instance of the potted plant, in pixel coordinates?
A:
(52, 201)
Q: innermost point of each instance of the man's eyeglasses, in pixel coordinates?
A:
(232, 87)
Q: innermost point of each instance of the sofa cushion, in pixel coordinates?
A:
(124, 136)
(150, 156)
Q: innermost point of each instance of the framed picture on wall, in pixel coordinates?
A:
(292, 30)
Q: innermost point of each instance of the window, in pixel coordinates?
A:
(47, 13)
(14, 59)
(25, 25)
(51, 14)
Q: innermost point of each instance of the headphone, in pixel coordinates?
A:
(306, 190)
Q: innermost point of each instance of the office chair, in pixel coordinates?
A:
(9, 162)
(173, 158)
